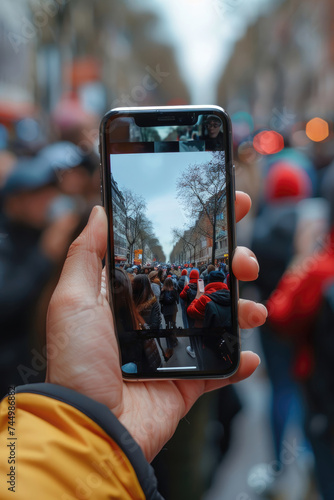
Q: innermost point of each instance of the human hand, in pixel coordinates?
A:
(199, 293)
(80, 336)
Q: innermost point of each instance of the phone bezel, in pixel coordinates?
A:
(151, 114)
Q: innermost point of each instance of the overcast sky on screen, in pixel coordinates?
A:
(154, 176)
(203, 32)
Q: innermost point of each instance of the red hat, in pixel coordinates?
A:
(287, 181)
(184, 272)
(193, 276)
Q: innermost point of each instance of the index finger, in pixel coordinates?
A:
(242, 205)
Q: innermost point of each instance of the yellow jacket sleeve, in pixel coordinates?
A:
(58, 444)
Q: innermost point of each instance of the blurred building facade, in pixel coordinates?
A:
(282, 69)
(102, 53)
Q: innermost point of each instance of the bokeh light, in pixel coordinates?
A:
(317, 129)
(268, 142)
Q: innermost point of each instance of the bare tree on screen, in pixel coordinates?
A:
(201, 189)
(134, 213)
(145, 235)
(190, 239)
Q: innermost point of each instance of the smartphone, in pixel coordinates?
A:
(200, 285)
(168, 190)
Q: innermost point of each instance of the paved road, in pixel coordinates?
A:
(252, 445)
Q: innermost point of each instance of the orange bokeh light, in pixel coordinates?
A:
(317, 129)
(268, 142)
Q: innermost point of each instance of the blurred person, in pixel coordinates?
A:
(145, 301)
(175, 280)
(183, 281)
(148, 308)
(294, 309)
(206, 273)
(135, 270)
(83, 180)
(274, 232)
(7, 164)
(155, 284)
(216, 290)
(130, 272)
(169, 299)
(134, 356)
(77, 172)
(223, 268)
(31, 246)
(202, 269)
(78, 420)
(249, 166)
(71, 122)
(188, 294)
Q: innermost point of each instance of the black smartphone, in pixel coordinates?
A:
(168, 190)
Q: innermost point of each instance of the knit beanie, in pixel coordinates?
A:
(193, 276)
(285, 180)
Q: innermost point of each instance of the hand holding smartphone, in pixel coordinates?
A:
(168, 191)
(200, 288)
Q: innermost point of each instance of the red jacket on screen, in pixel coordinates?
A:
(196, 309)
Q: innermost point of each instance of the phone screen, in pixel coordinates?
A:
(169, 196)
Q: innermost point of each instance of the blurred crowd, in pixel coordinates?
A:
(49, 181)
(292, 235)
(47, 189)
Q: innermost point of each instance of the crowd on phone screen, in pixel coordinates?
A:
(159, 292)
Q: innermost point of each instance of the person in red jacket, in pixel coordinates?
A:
(295, 303)
(294, 309)
(188, 294)
(196, 309)
(86, 433)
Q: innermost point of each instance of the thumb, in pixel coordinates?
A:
(81, 275)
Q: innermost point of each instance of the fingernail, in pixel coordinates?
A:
(93, 214)
(264, 307)
(258, 357)
(255, 354)
(257, 264)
